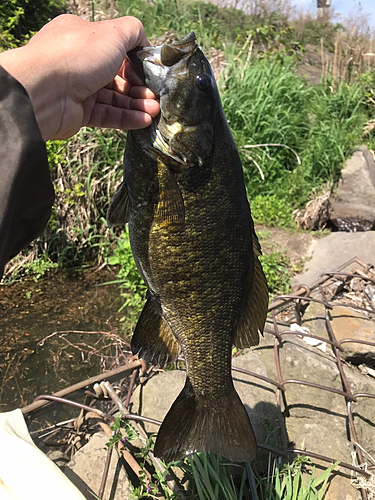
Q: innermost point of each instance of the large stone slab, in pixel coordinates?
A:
(86, 470)
(316, 420)
(353, 205)
(333, 251)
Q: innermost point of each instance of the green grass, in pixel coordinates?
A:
(266, 102)
(19, 19)
(295, 481)
(132, 287)
(276, 269)
(207, 476)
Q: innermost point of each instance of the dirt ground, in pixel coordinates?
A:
(297, 245)
(311, 64)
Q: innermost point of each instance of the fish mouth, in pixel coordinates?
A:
(152, 64)
(157, 67)
(161, 144)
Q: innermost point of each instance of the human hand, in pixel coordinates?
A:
(76, 74)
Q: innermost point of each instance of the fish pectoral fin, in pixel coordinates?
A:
(253, 318)
(193, 425)
(170, 204)
(153, 339)
(118, 212)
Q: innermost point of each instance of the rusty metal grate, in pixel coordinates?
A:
(317, 292)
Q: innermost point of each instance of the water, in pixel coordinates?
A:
(57, 303)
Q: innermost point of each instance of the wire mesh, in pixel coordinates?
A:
(318, 293)
(283, 311)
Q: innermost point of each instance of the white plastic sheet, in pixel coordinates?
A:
(26, 473)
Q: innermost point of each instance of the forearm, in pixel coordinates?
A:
(39, 80)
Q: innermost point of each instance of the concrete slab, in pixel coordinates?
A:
(87, 466)
(333, 251)
(353, 204)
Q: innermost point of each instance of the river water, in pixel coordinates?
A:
(51, 309)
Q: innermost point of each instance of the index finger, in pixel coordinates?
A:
(131, 31)
(128, 73)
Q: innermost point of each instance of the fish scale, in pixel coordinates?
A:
(193, 241)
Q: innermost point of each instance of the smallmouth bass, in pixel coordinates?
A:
(193, 241)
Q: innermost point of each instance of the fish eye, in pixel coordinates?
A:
(204, 82)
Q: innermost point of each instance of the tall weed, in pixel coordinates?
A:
(266, 102)
(85, 171)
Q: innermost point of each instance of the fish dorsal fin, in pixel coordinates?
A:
(153, 339)
(253, 318)
(170, 204)
(118, 212)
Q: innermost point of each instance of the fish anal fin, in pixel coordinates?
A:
(254, 315)
(118, 212)
(153, 339)
(191, 426)
(170, 203)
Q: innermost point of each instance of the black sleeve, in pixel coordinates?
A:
(26, 191)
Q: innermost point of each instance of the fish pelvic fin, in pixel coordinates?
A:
(118, 212)
(170, 204)
(253, 318)
(195, 425)
(153, 339)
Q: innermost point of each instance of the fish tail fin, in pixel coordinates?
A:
(220, 426)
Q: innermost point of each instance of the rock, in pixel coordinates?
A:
(350, 324)
(353, 205)
(316, 213)
(258, 397)
(153, 400)
(334, 250)
(86, 470)
(59, 457)
(314, 320)
(315, 420)
(363, 409)
(347, 323)
(369, 291)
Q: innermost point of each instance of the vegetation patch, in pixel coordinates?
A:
(211, 477)
(132, 287)
(276, 266)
